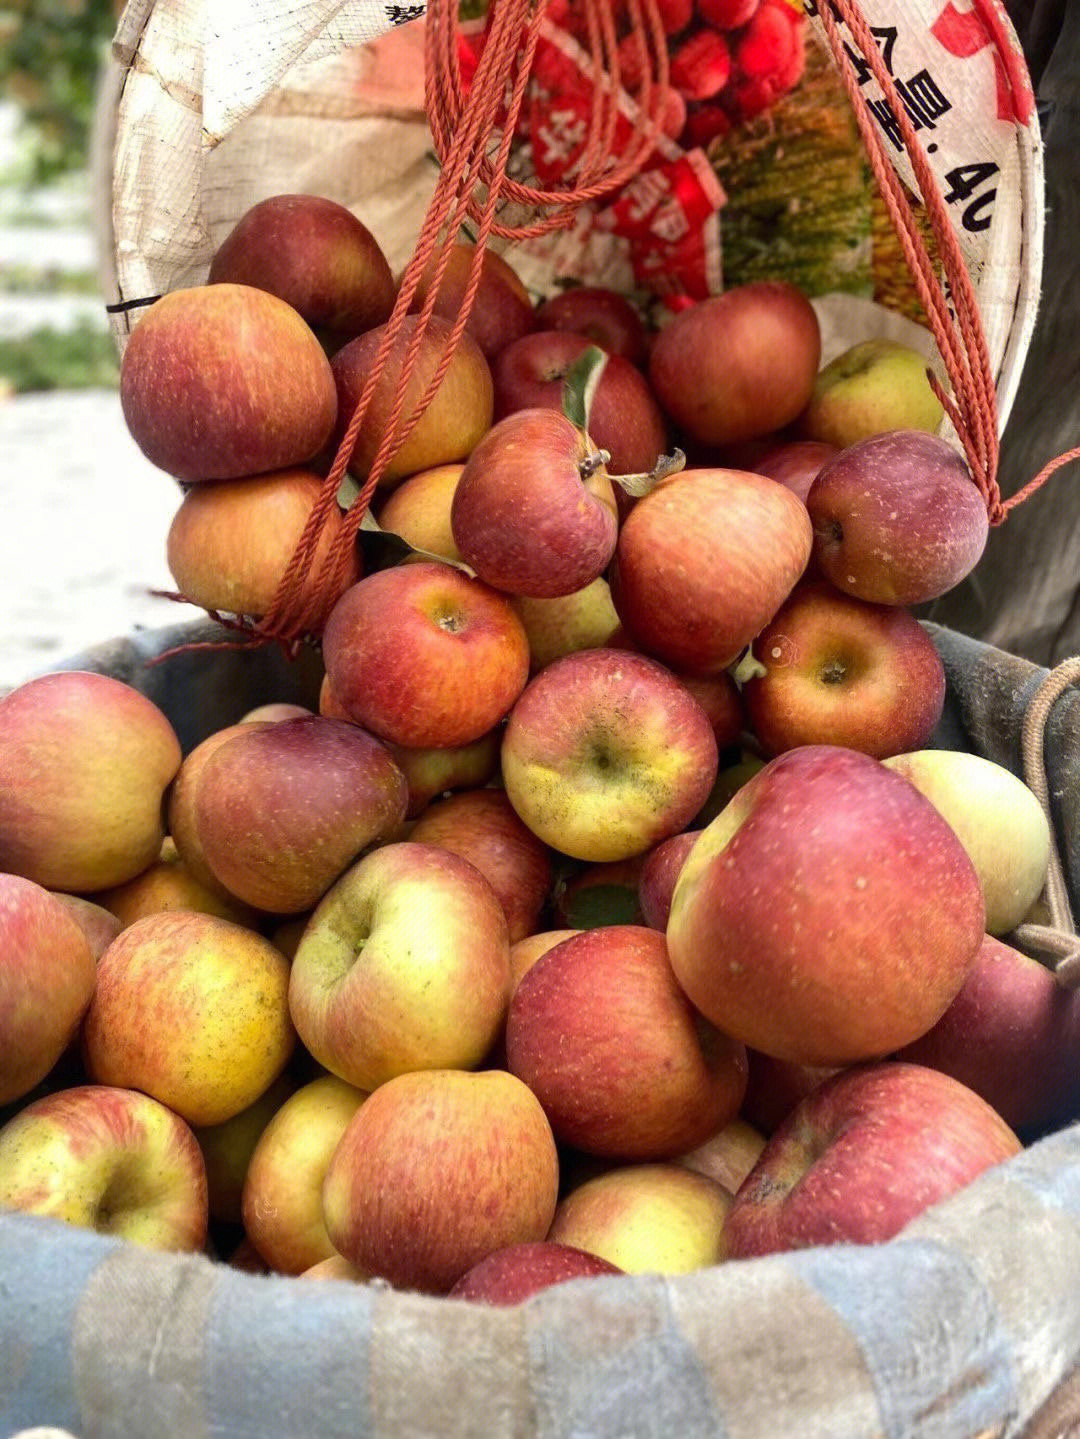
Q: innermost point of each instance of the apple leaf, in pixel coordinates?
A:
(747, 668)
(390, 549)
(579, 386)
(665, 467)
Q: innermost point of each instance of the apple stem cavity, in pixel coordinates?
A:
(639, 485)
(580, 385)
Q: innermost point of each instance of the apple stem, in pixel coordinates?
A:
(665, 467)
(580, 384)
(593, 462)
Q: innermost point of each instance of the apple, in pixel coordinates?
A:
(107, 1159)
(874, 386)
(437, 1170)
(659, 873)
(897, 519)
(99, 927)
(728, 1156)
(480, 825)
(431, 772)
(795, 463)
(419, 510)
(231, 543)
(1011, 1035)
(194, 1011)
(605, 754)
(646, 1219)
(862, 1156)
(845, 672)
(704, 562)
(828, 914)
(274, 712)
(606, 318)
(457, 418)
(719, 696)
(422, 655)
(624, 418)
(533, 513)
(512, 1275)
(84, 763)
(729, 781)
(998, 821)
(47, 975)
(316, 255)
(603, 1036)
(600, 894)
(404, 965)
(525, 953)
(335, 1267)
(282, 1192)
(227, 1149)
(246, 1258)
(281, 810)
(561, 625)
(502, 309)
(740, 364)
(181, 808)
(220, 381)
(775, 1086)
(169, 884)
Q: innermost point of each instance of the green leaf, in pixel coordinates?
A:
(580, 384)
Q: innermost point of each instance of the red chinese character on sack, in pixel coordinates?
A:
(965, 33)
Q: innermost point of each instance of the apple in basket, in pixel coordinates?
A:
(502, 309)
(606, 318)
(874, 386)
(511, 1275)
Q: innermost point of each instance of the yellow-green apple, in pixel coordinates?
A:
(606, 318)
(231, 543)
(98, 924)
(604, 1037)
(435, 1171)
(739, 364)
(605, 754)
(646, 1219)
(424, 656)
(181, 810)
(728, 1156)
(703, 563)
(897, 519)
(314, 254)
(480, 825)
(561, 625)
(404, 965)
(419, 510)
(998, 820)
(775, 1086)
(431, 772)
(534, 513)
(458, 416)
(659, 873)
(84, 763)
(796, 464)
(843, 671)
(169, 884)
(282, 1194)
(281, 810)
(826, 912)
(527, 951)
(874, 386)
(1011, 1035)
(107, 1159)
(193, 1010)
(861, 1156)
(502, 309)
(227, 1149)
(335, 1267)
(512, 1275)
(599, 894)
(624, 418)
(220, 381)
(47, 975)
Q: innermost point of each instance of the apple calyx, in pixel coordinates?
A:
(641, 484)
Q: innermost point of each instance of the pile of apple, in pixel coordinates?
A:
(612, 913)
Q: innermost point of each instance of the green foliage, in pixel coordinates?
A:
(50, 54)
(79, 359)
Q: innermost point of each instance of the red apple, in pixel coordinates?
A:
(602, 1034)
(527, 951)
(47, 975)
(795, 463)
(502, 310)
(740, 364)
(512, 1275)
(432, 772)
(84, 763)
(606, 318)
(221, 381)
(845, 672)
(423, 656)
(659, 874)
(624, 419)
(775, 1086)
(181, 811)
(605, 754)
(827, 914)
(897, 519)
(437, 1170)
(704, 562)
(98, 925)
(862, 1156)
(480, 825)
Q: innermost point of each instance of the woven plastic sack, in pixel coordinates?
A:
(967, 1324)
